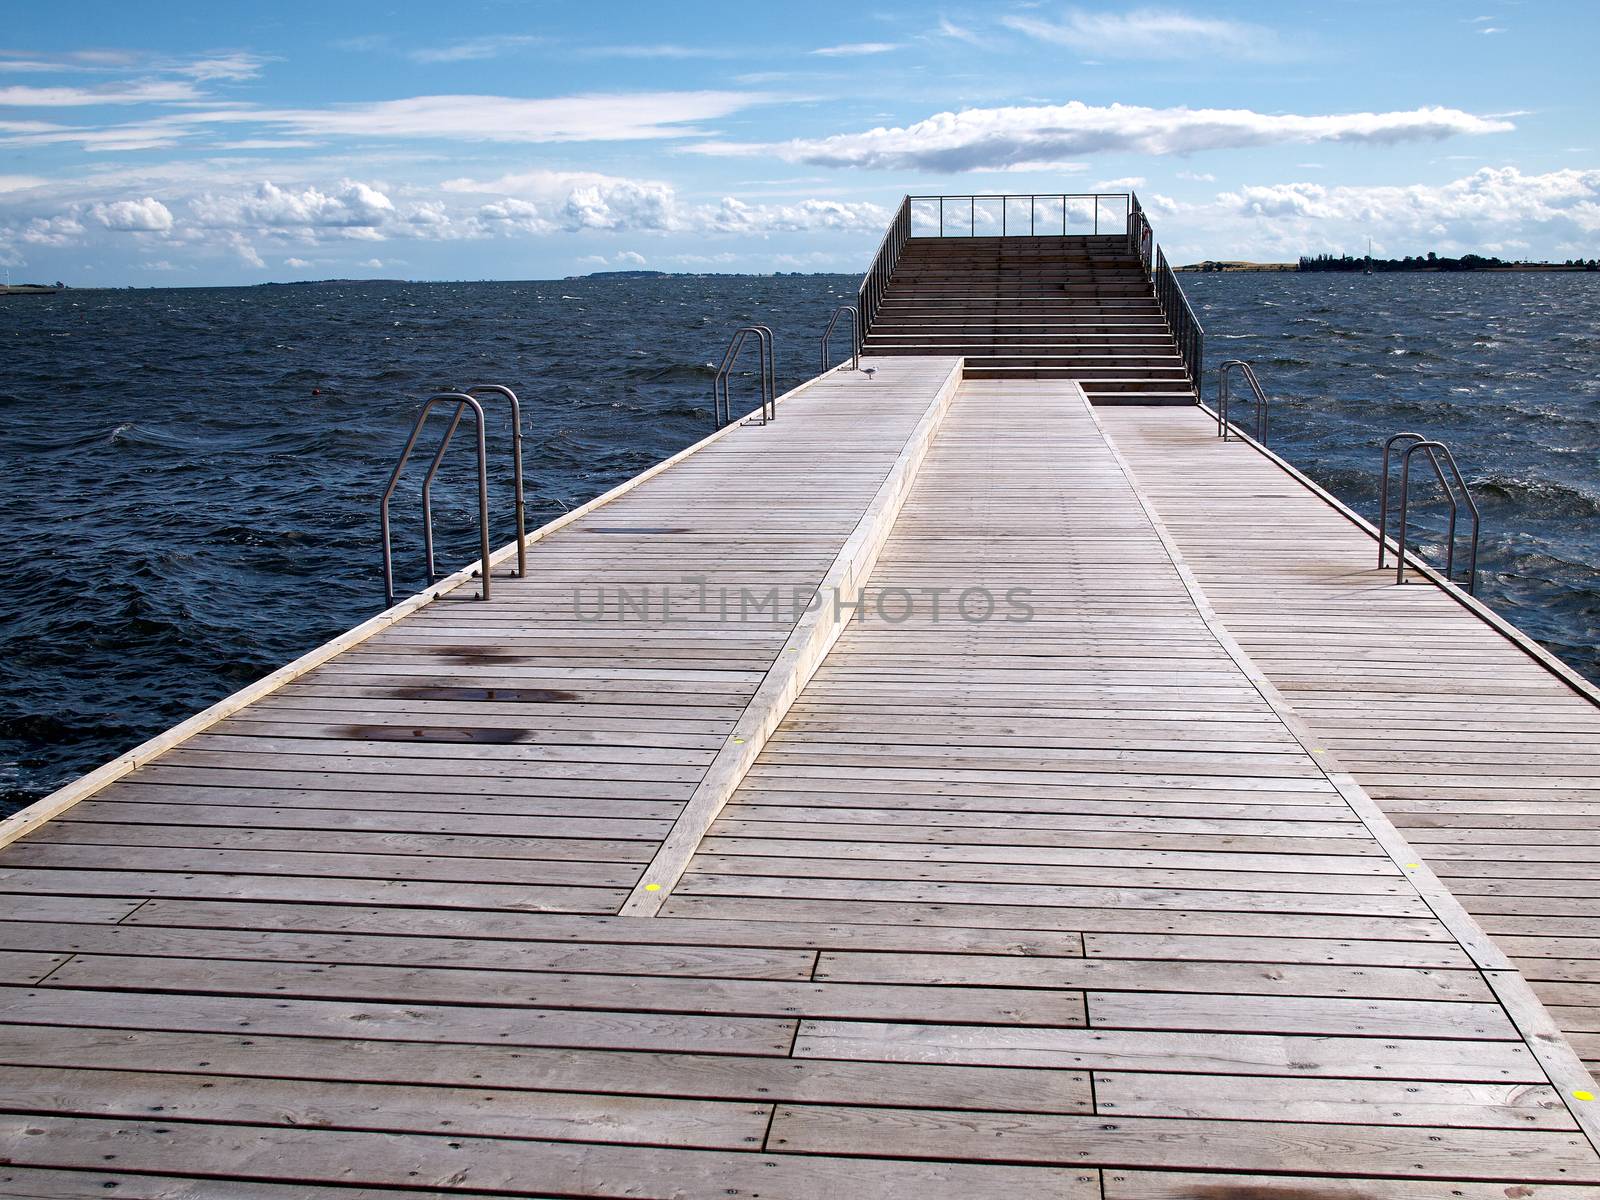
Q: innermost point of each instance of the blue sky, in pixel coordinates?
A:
(184, 143)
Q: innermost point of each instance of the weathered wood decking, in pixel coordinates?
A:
(1075, 905)
(1488, 760)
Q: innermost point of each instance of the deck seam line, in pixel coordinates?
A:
(803, 652)
(81, 788)
(1516, 998)
(1471, 603)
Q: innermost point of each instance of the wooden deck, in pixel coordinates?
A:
(917, 905)
(1487, 759)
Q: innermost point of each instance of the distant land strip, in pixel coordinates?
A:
(1428, 262)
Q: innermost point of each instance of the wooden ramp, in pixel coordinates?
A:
(1045, 892)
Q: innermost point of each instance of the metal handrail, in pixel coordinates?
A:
(1185, 327)
(876, 281)
(462, 401)
(1432, 449)
(721, 401)
(1224, 393)
(520, 503)
(1005, 200)
(855, 341)
(1141, 237)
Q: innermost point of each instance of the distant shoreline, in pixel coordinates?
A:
(1346, 265)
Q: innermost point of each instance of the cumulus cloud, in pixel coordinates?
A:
(997, 138)
(349, 206)
(735, 216)
(543, 201)
(148, 215)
(1492, 209)
(1151, 33)
(298, 264)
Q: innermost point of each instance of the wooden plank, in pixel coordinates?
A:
(498, 1165)
(1333, 1101)
(720, 1076)
(1523, 1155)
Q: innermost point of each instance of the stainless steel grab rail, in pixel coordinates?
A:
(721, 401)
(1225, 392)
(462, 401)
(1432, 449)
(434, 575)
(855, 340)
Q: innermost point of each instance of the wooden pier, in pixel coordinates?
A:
(951, 789)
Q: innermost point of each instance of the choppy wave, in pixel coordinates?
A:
(1505, 369)
(192, 475)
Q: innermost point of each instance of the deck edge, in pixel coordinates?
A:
(803, 652)
(1471, 603)
(1526, 1012)
(46, 808)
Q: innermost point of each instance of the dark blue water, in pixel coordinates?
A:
(189, 479)
(1504, 368)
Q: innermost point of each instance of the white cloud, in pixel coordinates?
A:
(230, 67)
(631, 257)
(1151, 33)
(1494, 206)
(299, 264)
(350, 206)
(20, 183)
(474, 49)
(542, 201)
(375, 264)
(734, 216)
(857, 49)
(996, 138)
(1197, 176)
(145, 91)
(591, 117)
(148, 215)
(960, 33)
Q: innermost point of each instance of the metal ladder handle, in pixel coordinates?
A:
(461, 401)
(769, 379)
(1472, 509)
(1225, 393)
(433, 575)
(721, 399)
(717, 391)
(855, 341)
(1383, 494)
(1405, 494)
(497, 389)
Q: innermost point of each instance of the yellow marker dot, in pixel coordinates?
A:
(1583, 1095)
(1412, 866)
(652, 887)
(740, 741)
(1318, 750)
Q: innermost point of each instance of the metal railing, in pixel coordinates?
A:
(1186, 331)
(1141, 237)
(463, 402)
(1080, 214)
(1225, 392)
(1432, 450)
(855, 336)
(721, 401)
(876, 281)
(942, 214)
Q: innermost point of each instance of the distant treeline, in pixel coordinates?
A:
(1430, 262)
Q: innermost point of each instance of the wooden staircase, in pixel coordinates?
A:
(1023, 307)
